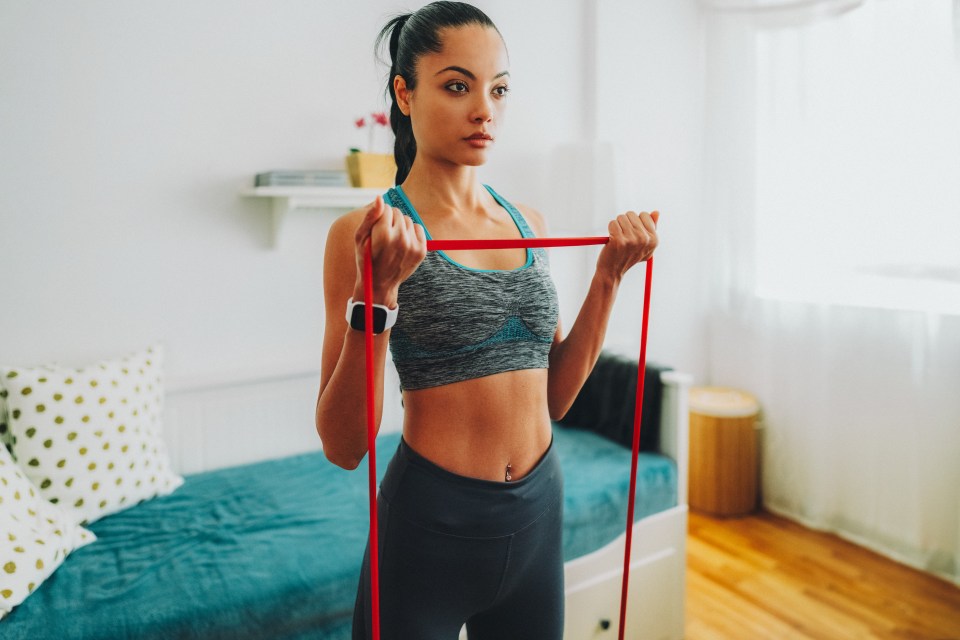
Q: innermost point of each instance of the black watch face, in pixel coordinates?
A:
(379, 319)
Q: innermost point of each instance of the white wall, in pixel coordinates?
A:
(128, 130)
(650, 108)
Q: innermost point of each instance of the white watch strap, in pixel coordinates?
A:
(391, 313)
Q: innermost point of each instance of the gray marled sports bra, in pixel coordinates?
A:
(459, 323)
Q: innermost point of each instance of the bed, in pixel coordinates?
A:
(271, 549)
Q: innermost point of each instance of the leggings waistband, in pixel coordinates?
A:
(443, 501)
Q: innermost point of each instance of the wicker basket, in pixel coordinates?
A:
(371, 170)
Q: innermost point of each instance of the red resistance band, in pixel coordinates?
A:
(515, 243)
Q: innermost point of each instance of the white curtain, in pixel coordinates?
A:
(833, 185)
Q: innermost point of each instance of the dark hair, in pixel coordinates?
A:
(410, 36)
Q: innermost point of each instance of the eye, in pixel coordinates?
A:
(457, 87)
(501, 91)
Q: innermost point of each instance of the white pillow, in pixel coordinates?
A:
(91, 439)
(6, 438)
(35, 536)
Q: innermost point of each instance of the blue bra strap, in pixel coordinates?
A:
(518, 219)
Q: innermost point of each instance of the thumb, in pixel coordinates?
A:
(656, 216)
(374, 213)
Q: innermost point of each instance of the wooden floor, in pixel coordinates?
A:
(766, 577)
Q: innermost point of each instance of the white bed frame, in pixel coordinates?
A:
(215, 424)
(658, 554)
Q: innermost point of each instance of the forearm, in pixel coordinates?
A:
(341, 408)
(573, 358)
(341, 415)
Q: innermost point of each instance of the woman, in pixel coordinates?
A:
(470, 506)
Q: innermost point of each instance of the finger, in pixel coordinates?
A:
(421, 235)
(380, 236)
(397, 218)
(379, 208)
(374, 211)
(630, 225)
(416, 243)
(614, 229)
(391, 225)
(418, 239)
(635, 222)
(649, 221)
(405, 229)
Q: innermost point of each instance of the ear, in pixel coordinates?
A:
(403, 94)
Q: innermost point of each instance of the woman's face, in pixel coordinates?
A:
(460, 97)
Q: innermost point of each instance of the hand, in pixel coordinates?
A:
(398, 246)
(633, 239)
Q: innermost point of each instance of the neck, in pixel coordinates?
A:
(451, 189)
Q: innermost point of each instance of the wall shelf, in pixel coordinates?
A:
(286, 199)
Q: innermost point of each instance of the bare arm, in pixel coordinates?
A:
(398, 249)
(572, 358)
(633, 239)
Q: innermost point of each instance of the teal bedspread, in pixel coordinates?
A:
(272, 549)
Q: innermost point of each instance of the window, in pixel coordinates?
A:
(858, 159)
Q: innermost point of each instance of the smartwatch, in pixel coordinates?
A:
(383, 317)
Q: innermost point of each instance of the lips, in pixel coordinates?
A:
(480, 136)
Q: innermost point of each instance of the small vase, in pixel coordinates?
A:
(371, 170)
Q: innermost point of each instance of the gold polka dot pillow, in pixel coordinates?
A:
(35, 536)
(4, 418)
(91, 439)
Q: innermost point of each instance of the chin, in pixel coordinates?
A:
(475, 159)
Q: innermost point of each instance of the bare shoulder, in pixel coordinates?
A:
(340, 237)
(346, 224)
(339, 262)
(535, 219)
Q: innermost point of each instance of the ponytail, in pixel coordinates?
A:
(409, 36)
(404, 146)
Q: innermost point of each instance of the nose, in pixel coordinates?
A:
(482, 110)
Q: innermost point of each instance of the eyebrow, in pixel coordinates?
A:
(468, 73)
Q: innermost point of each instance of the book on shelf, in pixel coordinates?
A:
(302, 178)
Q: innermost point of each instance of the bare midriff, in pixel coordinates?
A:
(476, 428)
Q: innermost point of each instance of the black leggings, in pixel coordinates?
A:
(457, 550)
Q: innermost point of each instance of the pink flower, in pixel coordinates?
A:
(371, 123)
